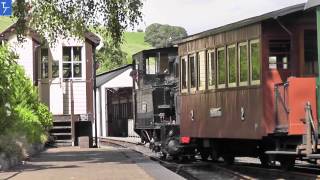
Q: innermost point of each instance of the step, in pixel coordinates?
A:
(61, 134)
(62, 143)
(61, 120)
(61, 127)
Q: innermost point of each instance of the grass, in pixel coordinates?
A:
(133, 43)
(5, 22)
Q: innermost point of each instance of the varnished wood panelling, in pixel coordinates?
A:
(229, 125)
(229, 37)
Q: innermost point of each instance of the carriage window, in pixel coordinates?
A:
(151, 65)
(243, 64)
(211, 69)
(193, 71)
(202, 70)
(255, 61)
(232, 64)
(184, 75)
(279, 51)
(221, 61)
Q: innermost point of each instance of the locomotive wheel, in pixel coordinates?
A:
(163, 156)
(287, 163)
(204, 155)
(228, 159)
(265, 160)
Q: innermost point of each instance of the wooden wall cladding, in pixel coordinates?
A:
(221, 39)
(229, 124)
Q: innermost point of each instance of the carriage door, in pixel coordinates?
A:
(310, 53)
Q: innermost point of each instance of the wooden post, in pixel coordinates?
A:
(72, 114)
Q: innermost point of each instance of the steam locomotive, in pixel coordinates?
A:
(244, 89)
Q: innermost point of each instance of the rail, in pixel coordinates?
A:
(311, 131)
(281, 106)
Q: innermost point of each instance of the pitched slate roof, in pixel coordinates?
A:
(107, 76)
(6, 33)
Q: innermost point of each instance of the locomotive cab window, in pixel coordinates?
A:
(221, 64)
(193, 72)
(279, 51)
(211, 65)
(243, 64)
(184, 74)
(151, 64)
(255, 68)
(202, 69)
(232, 66)
(164, 63)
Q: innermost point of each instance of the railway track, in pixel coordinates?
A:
(205, 170)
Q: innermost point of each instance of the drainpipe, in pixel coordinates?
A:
(318, 78)
(95, 97)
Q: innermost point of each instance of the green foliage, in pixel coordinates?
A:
(53, 18)
(111, 57)
(20, 112)
(159, 35)
(5, 22)
(133, 43)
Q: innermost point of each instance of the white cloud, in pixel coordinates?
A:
(200, 15)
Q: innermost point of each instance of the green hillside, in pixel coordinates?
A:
(133, 43)
(5, 22)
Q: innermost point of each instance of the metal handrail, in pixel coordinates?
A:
(312, 131)
(277, 107)
(282, 99)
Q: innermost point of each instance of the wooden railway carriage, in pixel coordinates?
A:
(244, 86)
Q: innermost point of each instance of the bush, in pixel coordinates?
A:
(21, 113)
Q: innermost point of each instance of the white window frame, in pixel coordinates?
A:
(203, 53)
(217, 67)
(234, 84)
(244, 83)
(192, 89)
(42, 62)
(185, 59)
(209, 58)
(72, 62)
(255, 82)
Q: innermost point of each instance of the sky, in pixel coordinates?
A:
(200, 15)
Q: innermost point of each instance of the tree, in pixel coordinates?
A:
(53, 18)
(110, 56)
(159, 35)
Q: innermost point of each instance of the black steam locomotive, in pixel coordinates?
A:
(155, 76)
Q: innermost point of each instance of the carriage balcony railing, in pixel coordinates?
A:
(281, 107)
